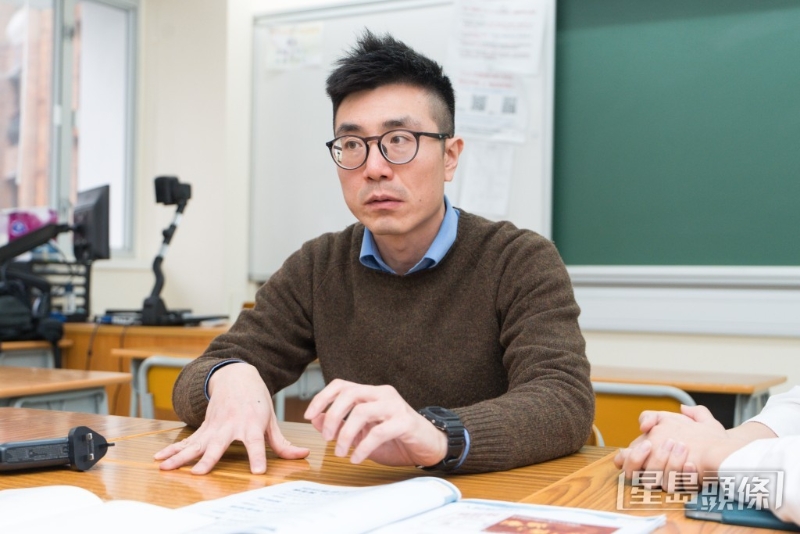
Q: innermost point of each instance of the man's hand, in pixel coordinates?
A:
(240, 409)
(377, 423)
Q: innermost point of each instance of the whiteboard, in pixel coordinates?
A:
(295, 194)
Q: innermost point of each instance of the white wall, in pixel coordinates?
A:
(723, 354)
(194, 122)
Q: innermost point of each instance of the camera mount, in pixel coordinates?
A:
(169, 191)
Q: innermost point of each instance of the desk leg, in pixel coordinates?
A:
(134, 408)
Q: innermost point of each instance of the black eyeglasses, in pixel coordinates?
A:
(397, 146)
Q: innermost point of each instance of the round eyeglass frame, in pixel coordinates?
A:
(378, 138)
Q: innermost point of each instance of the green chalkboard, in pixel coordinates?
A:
(677, 132)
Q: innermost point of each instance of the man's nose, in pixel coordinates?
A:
(376, 167)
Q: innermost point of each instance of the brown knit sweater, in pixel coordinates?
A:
(491, 332)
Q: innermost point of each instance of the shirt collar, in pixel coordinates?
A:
(370, 257)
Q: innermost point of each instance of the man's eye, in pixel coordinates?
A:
(352, 144)
(399, 139)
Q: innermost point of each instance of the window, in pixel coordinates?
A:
(26, 87)
(66, 112)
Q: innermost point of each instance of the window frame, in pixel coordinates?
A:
(63, 120)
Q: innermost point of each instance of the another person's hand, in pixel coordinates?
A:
(377, 423)
(240, 409)
(667, 441)
(692, 441)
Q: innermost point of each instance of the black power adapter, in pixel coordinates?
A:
(81, 449)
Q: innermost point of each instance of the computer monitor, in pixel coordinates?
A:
(90, 221)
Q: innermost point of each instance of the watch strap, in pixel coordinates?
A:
(450, 423)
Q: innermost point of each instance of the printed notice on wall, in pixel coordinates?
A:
(486, 178)
(294, 46)
(499, 35)
(490, 106)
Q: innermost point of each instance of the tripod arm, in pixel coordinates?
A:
(167, 233)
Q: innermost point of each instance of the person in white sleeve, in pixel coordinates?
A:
(694, 441)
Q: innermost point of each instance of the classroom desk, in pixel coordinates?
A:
(732, 397)
(30, 353)
(587, 479)
(67, 388)
(128, 470)
(596, 486)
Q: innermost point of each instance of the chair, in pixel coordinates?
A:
(596, 438)
(156, 379)
(92, 400)
(618, 407)
(27, 354)
(157, 376)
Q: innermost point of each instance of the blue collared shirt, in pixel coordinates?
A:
(371, 257)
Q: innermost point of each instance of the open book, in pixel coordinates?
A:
(421, 505)
(49, 509)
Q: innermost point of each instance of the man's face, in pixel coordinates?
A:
(397, 202)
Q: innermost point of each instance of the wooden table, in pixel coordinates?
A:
(128, 470)
(67, 388)
(597, 486)
(587, 479)
(732, 397)
(30, 353)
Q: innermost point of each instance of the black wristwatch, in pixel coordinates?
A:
(449, 423)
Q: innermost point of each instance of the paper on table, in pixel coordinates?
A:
(20, 505)
(310, 507)
(49, 509)
(477, 515)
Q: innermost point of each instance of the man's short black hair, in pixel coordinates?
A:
(377, 61)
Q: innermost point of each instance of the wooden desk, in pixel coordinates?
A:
(30, 353)
(596, 487)
(63, 388)
(587, 479)
(92, 345)
(732, 397)
(128, 470)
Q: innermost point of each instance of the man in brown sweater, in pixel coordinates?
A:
(420, 313)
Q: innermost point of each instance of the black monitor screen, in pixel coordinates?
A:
(90, 218)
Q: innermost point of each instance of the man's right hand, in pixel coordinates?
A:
(240, 409)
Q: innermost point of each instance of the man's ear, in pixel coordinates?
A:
(452, 151)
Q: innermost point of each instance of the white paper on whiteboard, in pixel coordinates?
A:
(500, 35)
(491, 106)
(294, 46)
(485, 171)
